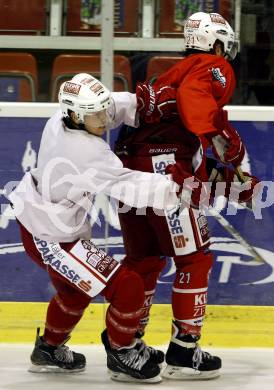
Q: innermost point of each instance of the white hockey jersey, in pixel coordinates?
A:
(52, 201)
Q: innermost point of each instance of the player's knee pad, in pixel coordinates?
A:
(193, 269)
(149, 268)
(126, 290)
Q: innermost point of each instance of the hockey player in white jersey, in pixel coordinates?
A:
(51, 205)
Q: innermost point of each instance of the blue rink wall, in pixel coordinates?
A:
(236, 278)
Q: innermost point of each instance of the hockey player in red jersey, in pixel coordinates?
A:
(51, 204)
(203, 83)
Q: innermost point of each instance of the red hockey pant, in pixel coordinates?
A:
(125, 292)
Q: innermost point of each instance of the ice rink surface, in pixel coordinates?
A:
(243, 369)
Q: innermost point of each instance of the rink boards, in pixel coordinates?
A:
(236, 280)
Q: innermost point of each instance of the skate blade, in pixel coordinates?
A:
(53, 370)
(121, 377)
(187, 373)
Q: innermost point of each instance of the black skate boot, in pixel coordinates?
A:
(49, 358)
(131, 363)
(155, 354)
(186, 360)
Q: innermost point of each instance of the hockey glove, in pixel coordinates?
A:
(233, 189)
(227, 145)
(155, 104)
(193, 192)
(246, 190)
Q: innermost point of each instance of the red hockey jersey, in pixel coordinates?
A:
(204, 83)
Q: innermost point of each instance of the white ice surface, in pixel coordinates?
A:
(243, 369)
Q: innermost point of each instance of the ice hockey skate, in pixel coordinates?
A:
(155, 354)
(186, 360)
(47, 358)
(132, 363)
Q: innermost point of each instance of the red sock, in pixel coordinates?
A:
(189, 293)
(64, 312)
(149, 268)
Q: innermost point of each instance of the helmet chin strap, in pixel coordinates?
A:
(70, 124)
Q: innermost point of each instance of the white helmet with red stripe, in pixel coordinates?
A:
(84, 95)
(202, 30)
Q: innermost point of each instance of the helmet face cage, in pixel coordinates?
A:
(202, 30)
(85, 95)
(232, 49)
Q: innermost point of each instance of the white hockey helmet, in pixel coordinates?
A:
(202, 30)
(85, 95)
